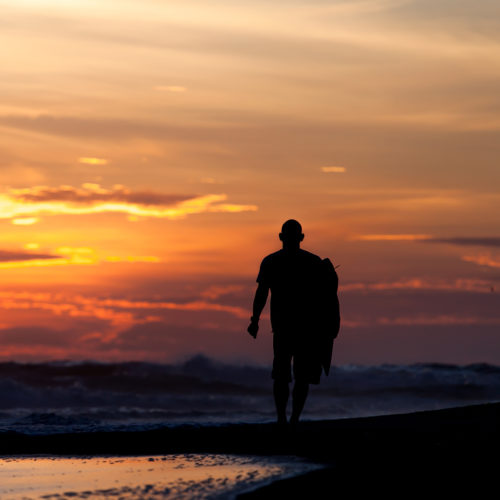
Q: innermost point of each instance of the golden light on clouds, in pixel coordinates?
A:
(32, 263)
(24, 221)
(93, 161)
(67, 256)
(333, 170)
(81, 305)
(93, 199)
(482, 260)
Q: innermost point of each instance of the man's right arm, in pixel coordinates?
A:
(259, 302)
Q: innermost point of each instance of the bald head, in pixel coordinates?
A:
(291, 234)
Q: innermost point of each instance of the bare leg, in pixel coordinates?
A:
(300, 391)
(281, 393)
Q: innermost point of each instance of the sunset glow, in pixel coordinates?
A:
(150, 152)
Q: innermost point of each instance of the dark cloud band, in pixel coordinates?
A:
(96, 194)
(8, 256)
(467, 241)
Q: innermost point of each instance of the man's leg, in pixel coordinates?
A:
(300, 391)
(282, 375)
(281, 393)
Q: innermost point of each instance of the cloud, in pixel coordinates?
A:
(115, 310)
(333, 170)
(25, 221)
(170, 88)
(215, 291)
(93, 161)
(90, 193)
(195, 305)
(442, 320)
(107, 128)
(67, 256)
(485, 241)
(20, 256)
(57, 261)
(481, 241)
(482, 260)
(458, 285)
(92, 199)
(392, 237)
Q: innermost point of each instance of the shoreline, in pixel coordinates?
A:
(446, 450)
(311, 439)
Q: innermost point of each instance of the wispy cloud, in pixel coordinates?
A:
(392, 237)
(170, 88)
(440, 320)
(483, 260)
(110, 128)
(333, 170)
(93, 161)
(482, 241)
(91, 193)
(25, 221)
(92, 199)
(458, 285)
(216, 291)
(118, 311)
(66, 256)
(21, 256)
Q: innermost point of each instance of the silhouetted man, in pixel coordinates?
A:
(293, 276)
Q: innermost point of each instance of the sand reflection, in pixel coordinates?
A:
(170, 476)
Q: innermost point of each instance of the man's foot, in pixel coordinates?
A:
(282, 422)
(294, 422)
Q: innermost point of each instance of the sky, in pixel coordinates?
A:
(150, 151)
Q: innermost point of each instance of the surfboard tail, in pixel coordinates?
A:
(330, 323)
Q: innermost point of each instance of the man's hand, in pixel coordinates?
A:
(253, 328)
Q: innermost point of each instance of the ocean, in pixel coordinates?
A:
(66, 396)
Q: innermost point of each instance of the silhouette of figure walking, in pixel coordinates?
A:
(296, 279)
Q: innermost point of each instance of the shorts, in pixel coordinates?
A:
(306, 362)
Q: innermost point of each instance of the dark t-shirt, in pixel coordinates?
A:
(293, 277)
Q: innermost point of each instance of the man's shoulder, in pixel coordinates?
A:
(310, 255)
(272, 257)
(281, 254)
(310, 258)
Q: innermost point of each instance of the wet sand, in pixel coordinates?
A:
(444, 452)
(172, 476)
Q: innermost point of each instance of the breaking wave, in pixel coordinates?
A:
(84, 396)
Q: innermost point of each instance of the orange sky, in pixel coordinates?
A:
(150, 151)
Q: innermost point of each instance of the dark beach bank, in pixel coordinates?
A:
(445, 451)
